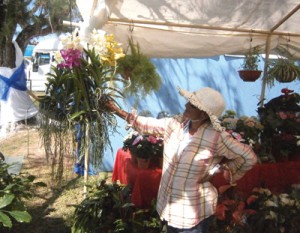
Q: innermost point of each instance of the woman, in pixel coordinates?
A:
(194, 145)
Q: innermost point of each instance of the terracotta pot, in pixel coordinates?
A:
(249, 75)
(143, 163)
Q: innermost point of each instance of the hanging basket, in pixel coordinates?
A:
(249, 75)
(286, 77)
(284, 70)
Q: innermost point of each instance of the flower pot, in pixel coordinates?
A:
(133, 157)
(160, 162)
(284, 71)
(249, 75)
(143, 163)
(284, 76)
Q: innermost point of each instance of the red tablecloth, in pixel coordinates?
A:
(278, 177)
(144, 182)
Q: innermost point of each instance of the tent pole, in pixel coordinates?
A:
(264, 84)
(144, 23)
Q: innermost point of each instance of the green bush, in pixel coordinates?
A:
(13, 190)
(108, 209)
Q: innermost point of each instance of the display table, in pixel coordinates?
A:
(144, 182)
(278, 177)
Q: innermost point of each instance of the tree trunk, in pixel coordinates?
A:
(7, 55)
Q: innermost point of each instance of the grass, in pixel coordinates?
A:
(53, 206)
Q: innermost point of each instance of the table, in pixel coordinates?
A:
(144, 182)
(278, 177)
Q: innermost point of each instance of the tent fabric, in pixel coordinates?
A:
(16, 104)
(197, 28)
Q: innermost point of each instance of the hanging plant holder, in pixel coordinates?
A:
(284, 71)
(249, 75)
(250, 71)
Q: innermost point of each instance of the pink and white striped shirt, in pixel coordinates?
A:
(185, 195)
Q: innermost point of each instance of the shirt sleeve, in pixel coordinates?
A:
(150, 125)
(239, 156)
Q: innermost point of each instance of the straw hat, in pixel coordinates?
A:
(209, 101)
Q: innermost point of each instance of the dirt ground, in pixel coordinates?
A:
(52, 206)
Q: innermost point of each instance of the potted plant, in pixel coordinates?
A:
(283, 70)
(250, 71)
(245, 129)
(143, 148)
(281, 125)
(139, 71)
(260, 211)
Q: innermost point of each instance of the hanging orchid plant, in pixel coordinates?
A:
(85, 73)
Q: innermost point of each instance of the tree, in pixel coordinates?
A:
(23, 20)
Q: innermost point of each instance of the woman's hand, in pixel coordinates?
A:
(111, 105)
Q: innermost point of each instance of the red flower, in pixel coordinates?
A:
(152, 139)
(286, 91)
(221, 211)
(237, 217)
(241, 205)
(251, 199)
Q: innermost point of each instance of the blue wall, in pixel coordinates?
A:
(218, 72)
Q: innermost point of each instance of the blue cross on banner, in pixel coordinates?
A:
(17, 81)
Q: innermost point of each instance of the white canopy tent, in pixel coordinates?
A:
(198, 28)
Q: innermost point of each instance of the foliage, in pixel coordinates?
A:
(23, 21)
(281, 124)
(144, 146)
(283, 70)
(252, 59)
(262, 211)
(13, 189)
(78, 89)
(108, 209)
(139, 71)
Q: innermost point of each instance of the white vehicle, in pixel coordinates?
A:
(40, 65)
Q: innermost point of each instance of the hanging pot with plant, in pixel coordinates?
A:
(250, 71)
(139, 71)
(283, 70)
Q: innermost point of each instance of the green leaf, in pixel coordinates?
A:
(5, 220)
(21, 216)
(73, 116)
(6, 200)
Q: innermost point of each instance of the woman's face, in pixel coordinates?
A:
(193, 113)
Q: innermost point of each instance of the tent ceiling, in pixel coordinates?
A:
(197, 28)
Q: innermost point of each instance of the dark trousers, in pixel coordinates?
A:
(202, 227)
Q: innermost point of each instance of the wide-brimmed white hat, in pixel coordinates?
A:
(207, 100)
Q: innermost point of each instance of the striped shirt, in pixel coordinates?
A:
(185, 195)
